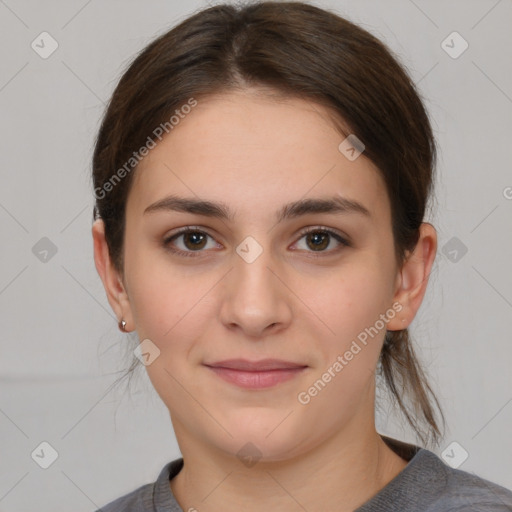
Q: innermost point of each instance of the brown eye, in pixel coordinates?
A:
(188, 242)
(194, 240)
(319, 239)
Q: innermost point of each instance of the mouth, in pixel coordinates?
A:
(256, 374)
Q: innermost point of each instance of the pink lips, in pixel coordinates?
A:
(256, 374)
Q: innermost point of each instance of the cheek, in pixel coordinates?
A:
(348, 301)
(169, 315)
(170, 311)
(161, 297)
(351, 305)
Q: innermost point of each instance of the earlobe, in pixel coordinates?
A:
(413, 277)
(110, 276)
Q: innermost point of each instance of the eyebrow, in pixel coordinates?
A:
(333, 205)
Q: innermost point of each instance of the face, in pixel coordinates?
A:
(265, 281)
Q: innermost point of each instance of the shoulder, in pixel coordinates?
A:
(428, 484)
(131, 502)
(465, 491)
(149, 497)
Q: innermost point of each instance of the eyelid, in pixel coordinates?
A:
(187, 229)
(331, 231)
(343, 241)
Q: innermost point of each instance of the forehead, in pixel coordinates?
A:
(248, 149)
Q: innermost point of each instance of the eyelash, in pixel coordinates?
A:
(194, 254)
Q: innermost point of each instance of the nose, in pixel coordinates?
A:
(256, 299)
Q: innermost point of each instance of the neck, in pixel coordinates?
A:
(341, 474)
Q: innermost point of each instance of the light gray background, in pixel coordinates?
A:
(60, 346)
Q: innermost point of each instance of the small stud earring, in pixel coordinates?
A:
(122, 326)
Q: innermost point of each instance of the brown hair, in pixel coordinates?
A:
(303, 51)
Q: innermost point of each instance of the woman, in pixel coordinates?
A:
(261, 177)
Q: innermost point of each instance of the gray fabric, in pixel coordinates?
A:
(426, 484)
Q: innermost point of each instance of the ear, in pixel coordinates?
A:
(112, 279)
(412, 279)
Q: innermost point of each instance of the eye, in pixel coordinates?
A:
(317, 239)
(193, 241)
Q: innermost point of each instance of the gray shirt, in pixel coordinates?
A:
(426, 484)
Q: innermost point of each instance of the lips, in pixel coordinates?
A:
(256, 374)
(256, 366)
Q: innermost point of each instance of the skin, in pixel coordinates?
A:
(255, 153)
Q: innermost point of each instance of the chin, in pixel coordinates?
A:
(270, 440)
